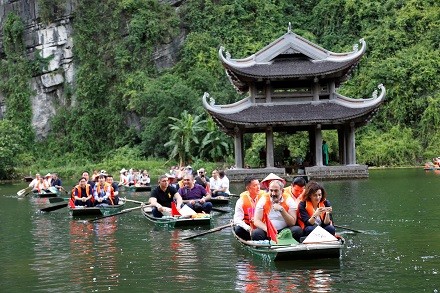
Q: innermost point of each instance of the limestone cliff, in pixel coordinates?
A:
(55, 40)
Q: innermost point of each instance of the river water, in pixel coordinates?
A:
(398, 249)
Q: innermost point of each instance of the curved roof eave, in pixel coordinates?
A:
(225, 109)
(362, 103)
(321, 55)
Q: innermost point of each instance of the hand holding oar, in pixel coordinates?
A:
(349, 229)
(116, 214)
(24, 191)
(208, 232)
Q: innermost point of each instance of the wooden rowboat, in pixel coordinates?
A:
(178, 221)
(219, 200)
(140, 188)
(292, 252)
(96, 211)
(52, 192)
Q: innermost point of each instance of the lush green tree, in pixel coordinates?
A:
(11, 146)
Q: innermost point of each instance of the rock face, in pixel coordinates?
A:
(55, 41)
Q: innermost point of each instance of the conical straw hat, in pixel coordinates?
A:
(269, 178)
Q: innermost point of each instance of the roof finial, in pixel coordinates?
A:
(289, 28)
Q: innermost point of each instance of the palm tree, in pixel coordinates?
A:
(216, 145)
(183, 139)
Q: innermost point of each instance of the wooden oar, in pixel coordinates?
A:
(54, 208)
(135, 201)
(25, 191)
(116, 214)
(208, 232)
(349, 229)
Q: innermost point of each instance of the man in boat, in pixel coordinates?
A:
(225, 181)
(162, 196)
(202, 179)
(56, 181)
(82, 194)
(296, 189)
(194, 195)
(280, 209)
(102, 191)
(85, 174)
(217, 186)
(245, 207)
(114, 195)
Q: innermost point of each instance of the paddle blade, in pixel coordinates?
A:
(54, 208)
(271, 231)
(174, 211)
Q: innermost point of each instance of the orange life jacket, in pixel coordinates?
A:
(268, 204)
(80, 192)
(105, 188)
(249, 206)
(310, 212)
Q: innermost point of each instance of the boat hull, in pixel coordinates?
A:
(98, 211)
(175, 222)
(293, 252)
(139, 188)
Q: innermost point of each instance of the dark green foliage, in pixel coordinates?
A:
(121, 99)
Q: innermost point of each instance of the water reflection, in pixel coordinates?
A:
(287, 276)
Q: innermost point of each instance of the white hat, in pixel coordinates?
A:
(188, 167)
(123, 170)
(48, 175)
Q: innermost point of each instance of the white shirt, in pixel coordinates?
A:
(215, 183)
(225, 184)
(275, 216)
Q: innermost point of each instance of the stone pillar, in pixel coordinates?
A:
(238, 148)
(351, 145)
(268, 92)
(341, 145)
(332, 90)
(318, 145)
(269, 147)
(316, 89)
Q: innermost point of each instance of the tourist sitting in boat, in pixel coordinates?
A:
(41, 186)
(162, 197)
(225, 181)
(56, 181)
(315, 210)
(264, 185)
(217, 185)
(296, 189)
(194, 195)
(35, 180)
(245, 207)
(172, 181)
(114, 195)
(95, 176)
(202, 179)
(280, 209)
(144, 178)
(85, 174)
(123, 178)
(48, 179)
(102, 191)
(82, 194)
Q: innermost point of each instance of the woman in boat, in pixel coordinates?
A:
(114, 195)
(123, 178)
(41, 185)
(144, 178)
(82, 194)
(102, 191)
(315, 210)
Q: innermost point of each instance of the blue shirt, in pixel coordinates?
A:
(197, 192)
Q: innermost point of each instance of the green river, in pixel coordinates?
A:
(398, 250)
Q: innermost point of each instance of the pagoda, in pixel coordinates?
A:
(291, 86)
